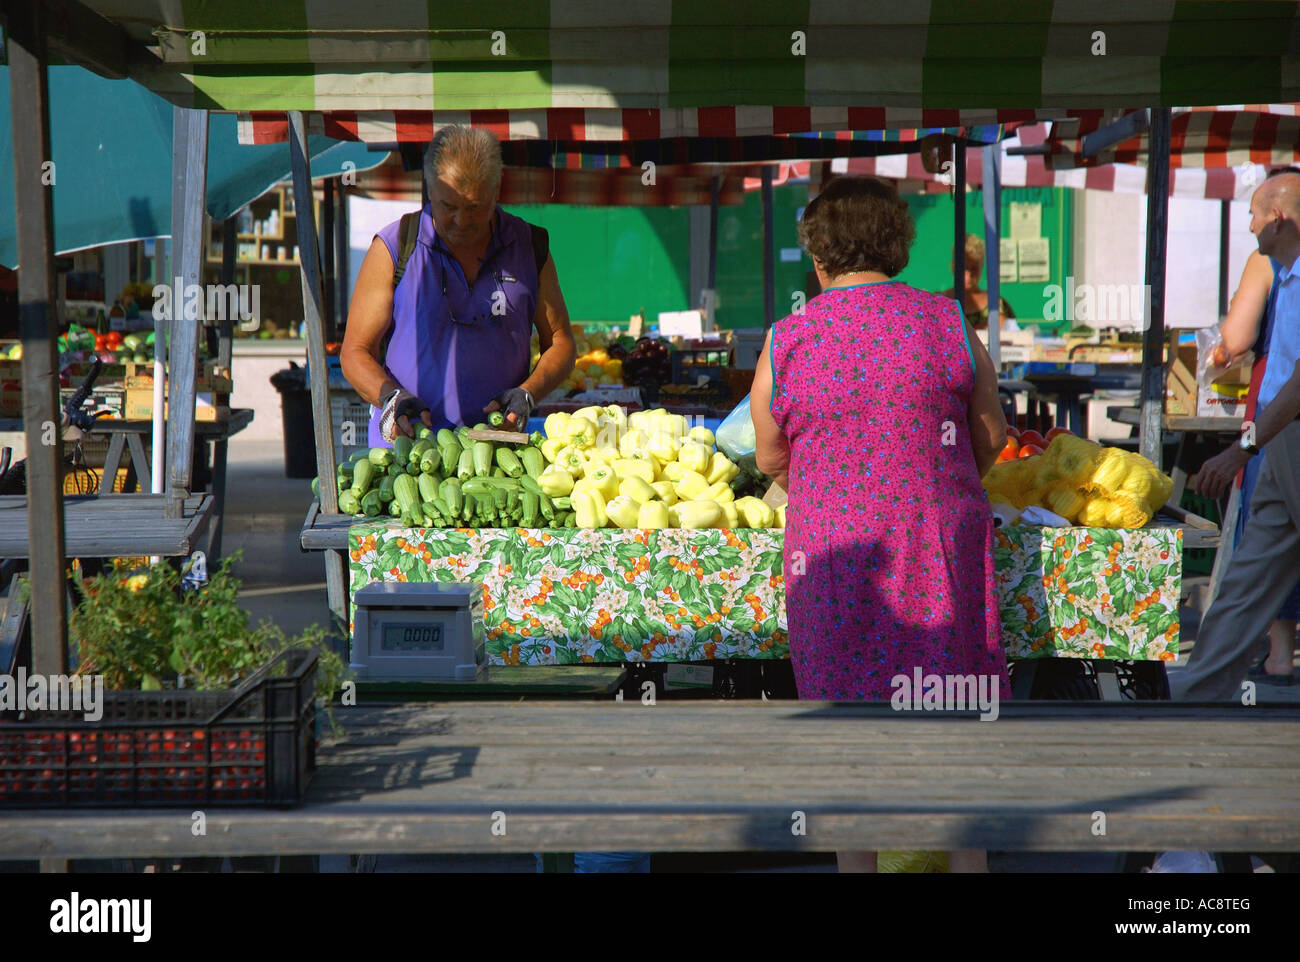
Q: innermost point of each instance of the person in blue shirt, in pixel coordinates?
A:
(1266, 566)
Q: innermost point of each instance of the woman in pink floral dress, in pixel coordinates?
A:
(877, 409)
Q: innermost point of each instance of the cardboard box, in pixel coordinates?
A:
(210, 404)
(1180, 381)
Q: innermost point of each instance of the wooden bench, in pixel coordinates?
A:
(731, 775)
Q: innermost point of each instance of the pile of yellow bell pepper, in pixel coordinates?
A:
(647, 469)
(1084, 483)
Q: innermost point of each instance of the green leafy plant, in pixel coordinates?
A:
(140, 629)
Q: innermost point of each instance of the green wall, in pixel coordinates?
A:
(929, 267)
(615, 261)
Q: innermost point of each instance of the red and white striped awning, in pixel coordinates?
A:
(613, 124)
(1237, 136)
(1217, 183)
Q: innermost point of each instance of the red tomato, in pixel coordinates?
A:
(1029, 450)
(1009, 451)
(1057, 432)
(1013, 431)
(1032, 437)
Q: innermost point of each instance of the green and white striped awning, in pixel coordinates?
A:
(1031, 56)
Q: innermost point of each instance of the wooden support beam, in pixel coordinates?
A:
(336, 581)
(34, 180)
(81, 36)
(189, 188)
(1153, 341)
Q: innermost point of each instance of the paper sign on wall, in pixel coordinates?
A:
(1035, 260)
(681, 324)
(1008, 271)
(1026, 221)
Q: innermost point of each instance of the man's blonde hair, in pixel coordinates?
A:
(464, 156)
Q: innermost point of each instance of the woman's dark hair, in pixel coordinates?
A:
(858, 224)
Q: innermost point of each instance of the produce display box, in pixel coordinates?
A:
(211, 400)
(254, 745)
(569, 596)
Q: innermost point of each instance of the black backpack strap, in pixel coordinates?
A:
(541, 246)
(408, 235)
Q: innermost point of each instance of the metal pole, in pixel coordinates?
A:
(327, 271)
(336, 583)
(769, 266)
(714, 194)
(342, 260)
(1225, 225)
(189, 188)
(959, 226)
(34, 217)
(992, 249)
(1153, 388)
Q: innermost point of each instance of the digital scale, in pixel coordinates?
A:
(414, 631)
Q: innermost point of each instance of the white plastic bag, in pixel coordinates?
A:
(735, 435)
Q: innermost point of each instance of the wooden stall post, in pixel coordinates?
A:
(1153, 372)
(225, 350)
(335, 570)
(189, 190)
(34, 180)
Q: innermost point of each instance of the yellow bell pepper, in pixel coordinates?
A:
(721, 468)
(695, 457)
(580, 432)
(663, 446)
(755, 512)
(673, 471)
(604, 480)
(589, 508)
(592, 413)
(637, 489)
(780, 516)
(604, 454)
(556, 425)
(730, 516)
(639, 421)
(720, 492)
(696, 514)
(556, 482)
(703, 435)
(633, 441)
(570, 459)
(665, 491)
(653, 514)
(691, 485)
(633, 468)
(551, 448)
(623, 511)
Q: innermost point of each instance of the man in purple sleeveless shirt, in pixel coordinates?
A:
(460, 320)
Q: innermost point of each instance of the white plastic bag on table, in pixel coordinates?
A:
(1209, 342)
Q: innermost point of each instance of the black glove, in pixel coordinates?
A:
(400, 404)
(518, 402)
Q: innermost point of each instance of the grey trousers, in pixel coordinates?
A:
(1264, 569)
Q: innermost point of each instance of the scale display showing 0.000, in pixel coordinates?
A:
(412, 637)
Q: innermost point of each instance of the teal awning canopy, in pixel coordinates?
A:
(111, 143)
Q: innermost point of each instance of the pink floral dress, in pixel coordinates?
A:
(889, 536)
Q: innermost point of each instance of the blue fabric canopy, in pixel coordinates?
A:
(111, 142)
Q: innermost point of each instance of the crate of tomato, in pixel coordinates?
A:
(253, 745)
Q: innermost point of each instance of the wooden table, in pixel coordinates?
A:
(112, 525)
(1124, 414)
(732, 776)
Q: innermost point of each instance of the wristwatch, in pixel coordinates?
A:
(1250, 447)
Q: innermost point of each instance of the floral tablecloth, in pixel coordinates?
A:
(568, 596)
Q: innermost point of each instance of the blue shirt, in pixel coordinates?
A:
(1284, 342)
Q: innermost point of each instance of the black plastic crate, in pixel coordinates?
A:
(255, 745)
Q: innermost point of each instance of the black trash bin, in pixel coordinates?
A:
(299, 425)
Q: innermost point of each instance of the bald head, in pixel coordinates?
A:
(1279, 193)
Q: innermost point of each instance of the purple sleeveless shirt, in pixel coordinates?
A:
(453, 352)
